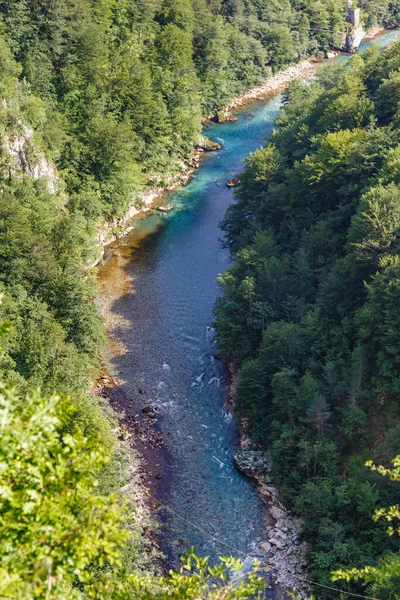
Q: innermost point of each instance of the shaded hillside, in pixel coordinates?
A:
(310, 307)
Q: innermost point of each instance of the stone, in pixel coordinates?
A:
(149, 412)
(225, 116)
(277, 513)
(248, 563)
(264, 547)
(276, 543)
(17, 147)
(207, 145)
(279, 533)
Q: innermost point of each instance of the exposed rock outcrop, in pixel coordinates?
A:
(353, 38)
(223, 116)
(28, 159)
(205, 144)
(281, 553)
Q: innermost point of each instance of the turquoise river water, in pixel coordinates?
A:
(158, 292)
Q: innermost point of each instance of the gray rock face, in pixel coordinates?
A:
(37, 166)
(281, 555)
(353, 38)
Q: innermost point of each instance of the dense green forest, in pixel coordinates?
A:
(107, 96)
(117, 89)
(310, 309)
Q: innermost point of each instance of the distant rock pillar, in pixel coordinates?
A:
(353, 16)
(355, 32)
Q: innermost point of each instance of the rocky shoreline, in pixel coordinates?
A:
(111, 231)
(275, 84)
(376, 32)
(281, 553)
(278, 82)
(138, 430)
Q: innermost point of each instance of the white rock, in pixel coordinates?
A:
(276, 513)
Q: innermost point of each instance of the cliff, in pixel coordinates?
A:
(26, 157)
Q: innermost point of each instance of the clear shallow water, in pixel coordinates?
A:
(158, 291)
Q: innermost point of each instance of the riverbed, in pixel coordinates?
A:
(157, 293)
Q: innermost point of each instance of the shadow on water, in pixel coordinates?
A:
(157, 293)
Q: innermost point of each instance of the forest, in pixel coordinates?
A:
(310, 312)
(111, 93)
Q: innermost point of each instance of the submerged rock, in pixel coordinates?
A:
(149, 412)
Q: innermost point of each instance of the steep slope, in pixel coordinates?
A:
(310, 307)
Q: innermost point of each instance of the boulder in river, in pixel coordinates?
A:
(224, 116)
(149, 412)
(207, 145)
(264, 547)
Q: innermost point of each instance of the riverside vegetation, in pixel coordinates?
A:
(111, 93)
(309, 313)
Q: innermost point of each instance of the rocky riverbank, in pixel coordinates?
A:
(376, 32)
(138, 431)
(278, 82)
(148, 199)
(281, 553)
(275, 84)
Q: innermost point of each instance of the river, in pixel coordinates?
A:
(157, 293)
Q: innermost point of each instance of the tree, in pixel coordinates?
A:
(59, 536)
(375, 227)
(53, 522)
(318, 414)
(279, 42)
(383, 578)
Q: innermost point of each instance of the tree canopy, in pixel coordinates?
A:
(309, 310)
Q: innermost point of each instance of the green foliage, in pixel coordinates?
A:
(60, 536)
(384, 578)
(117, 92)
(315, 231)
(53, 523)
(111, 93)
